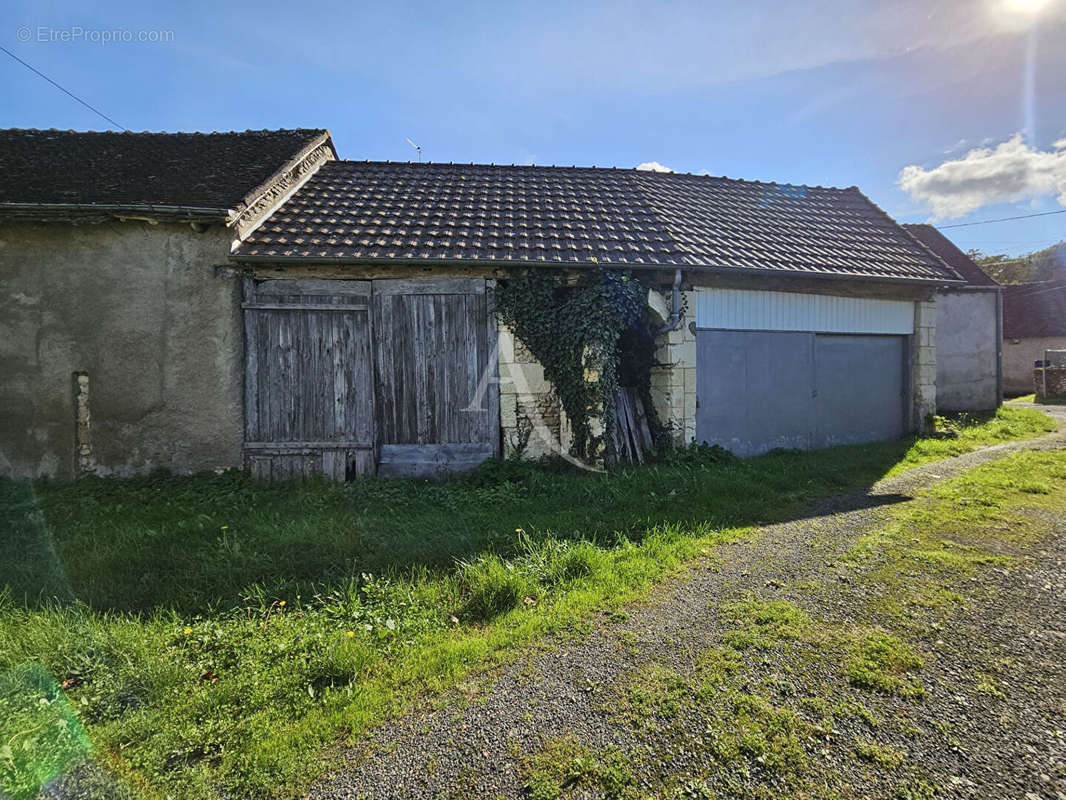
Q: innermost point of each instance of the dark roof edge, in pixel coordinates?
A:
(51, 211)
(931, 252)
(59, 212)
(490, 263)
(987, 287)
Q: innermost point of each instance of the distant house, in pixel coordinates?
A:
(1034, 320)
(969, 367)
(209, 301)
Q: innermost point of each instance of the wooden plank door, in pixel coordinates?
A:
(309, 399)
(437, 397)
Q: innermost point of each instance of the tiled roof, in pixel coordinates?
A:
(952, 255)
(370, 211)
(1034, 310)
(202, 170)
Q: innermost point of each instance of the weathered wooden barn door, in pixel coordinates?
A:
(437, 398)
(309, 399)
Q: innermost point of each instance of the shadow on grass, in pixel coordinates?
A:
(29, 565)
(201, 542)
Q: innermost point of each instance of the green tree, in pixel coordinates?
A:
(1040, 265)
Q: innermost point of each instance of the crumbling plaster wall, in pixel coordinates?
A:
(140, 310)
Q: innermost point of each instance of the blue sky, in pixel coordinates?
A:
(964, 100)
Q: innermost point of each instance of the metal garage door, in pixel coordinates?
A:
(761, 390)
(859, 389)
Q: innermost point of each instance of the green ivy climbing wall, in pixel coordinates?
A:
(573, 328)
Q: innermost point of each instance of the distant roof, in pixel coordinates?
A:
(372, 211)
(1034, 310)
(955, 258)
(207, 171)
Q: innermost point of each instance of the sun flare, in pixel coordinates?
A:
(1026, 6)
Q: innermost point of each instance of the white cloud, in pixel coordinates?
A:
(1007, 173)
(653, 166)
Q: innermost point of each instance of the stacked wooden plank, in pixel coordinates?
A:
(630, 434)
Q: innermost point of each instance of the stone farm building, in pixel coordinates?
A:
(207, 301)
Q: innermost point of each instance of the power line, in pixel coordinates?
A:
(65, 91)
(1001, 219)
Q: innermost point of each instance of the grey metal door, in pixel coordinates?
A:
(309, 400)
(754, 390)
(859, 384)
(761, 390)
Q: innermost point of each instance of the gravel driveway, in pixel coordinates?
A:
(1007, 742)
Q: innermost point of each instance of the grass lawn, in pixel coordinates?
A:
(1031, 398)
(211, 635)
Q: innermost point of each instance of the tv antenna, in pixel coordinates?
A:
(416, 147)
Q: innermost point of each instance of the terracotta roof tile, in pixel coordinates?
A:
(581, 216)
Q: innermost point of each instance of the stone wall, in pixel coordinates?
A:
(1053, 379)
(923, 360)
(120, 350)
(673, 381)
(530, 412)
(532, 421)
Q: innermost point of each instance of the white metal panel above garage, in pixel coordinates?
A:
(748, 310)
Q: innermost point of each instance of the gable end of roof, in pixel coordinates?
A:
(72, 176)
(265, 198)
(937, 243)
